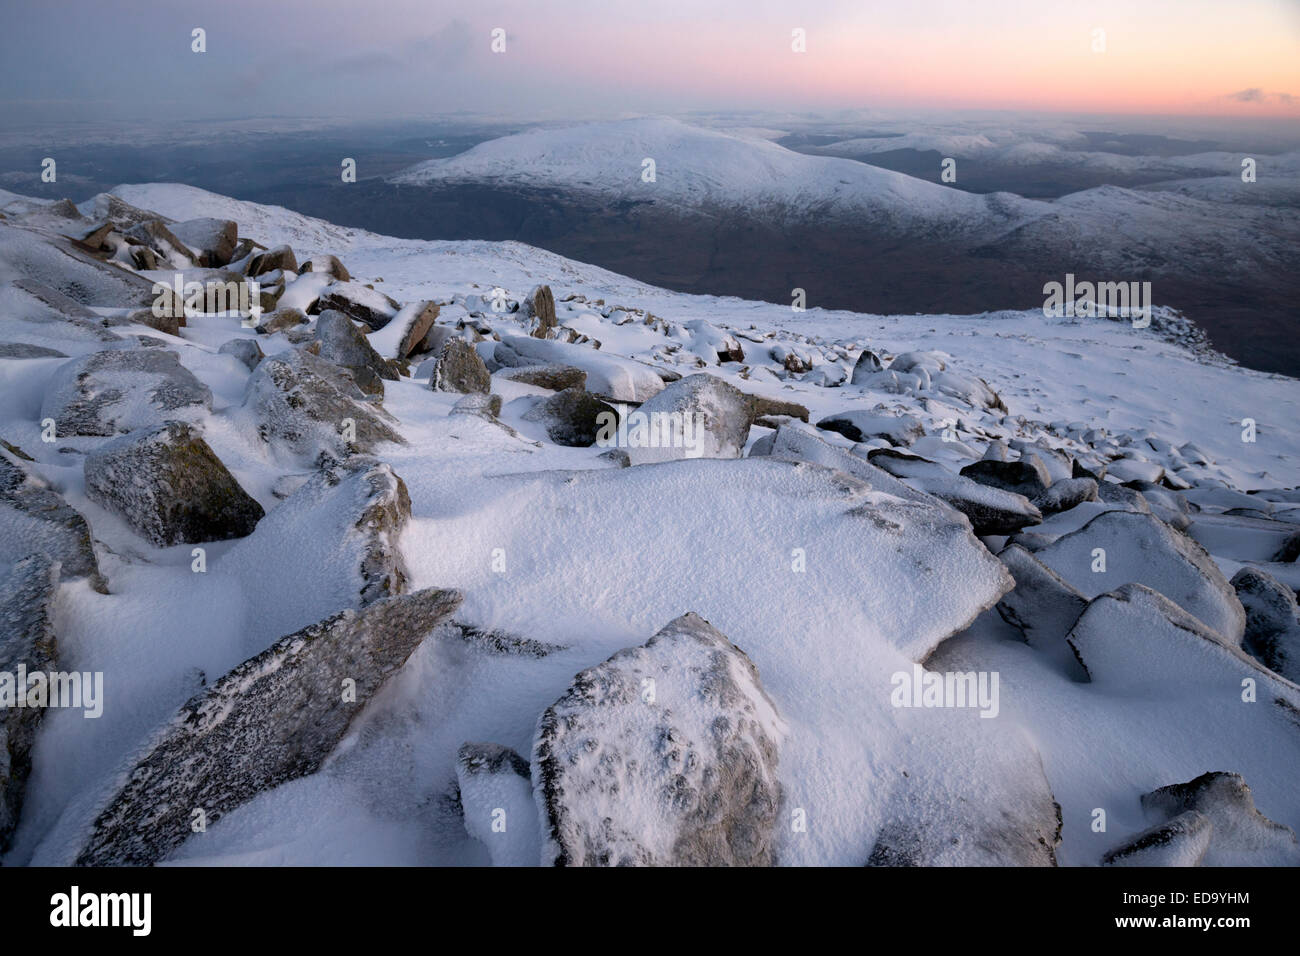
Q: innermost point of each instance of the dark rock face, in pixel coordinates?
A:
(1240, 834)
(213, 240)
(1026, 477)
(27, 638)
(459, 369)
(572, 417)
(342, 343)
(274, 718)
(36, 520)
(98, 394)
(665, 754)
(868, 363)
(540, 306)
(309, 403)
(557, 378)
(1181, 841)
(281, 258)
(898, 430)
(360, 303)
(170, 487)
(991, 511)
(419, 319)
(1272, 621)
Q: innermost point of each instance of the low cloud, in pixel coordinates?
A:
(1255, 95)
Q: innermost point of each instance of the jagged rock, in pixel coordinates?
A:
(557, 378)
(687, 777)
(327, 264)
(1143, 549)
(213, 240)
(27, 590)
(415, 321)
(1042, 607)
(356, 301)
(314, 407)
(496, 797)
(281, 320)
(991, 511)
(1027, 477)
(573, 417)
(459, 369)
(342, 343)
(1240, 834)
(1182, 841)
(540, 306)
(700, 416)
(609, 377)
(1130, 499)
(272, 719)
(859, 426)
(279, 257)
(34, 519)
(107, 393)
(164, 243)
(1065, 493)
(170, 487)
(868, 363)
(1272, 634)
(246, 350)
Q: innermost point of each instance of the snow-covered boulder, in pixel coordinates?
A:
(991, 510)
(793, 443)
(1239, 834)
(1181, 841)
(342, 343)
(573, 417)
(496, 797)
(279, 258)
(1042, 607)
(700, 416)
(247, 351)
(272, 719)
(108, 393)
(1143, 549)
(170, 487)
(1028, 476)
(212, 240)
(539, 309)
(459, 369)
(35, 519)
(859, 426)
(1272, 621)
(556, 378)
(666, 754)
(610, 377)
(359, 302)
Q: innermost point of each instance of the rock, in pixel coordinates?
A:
(826, 376)
(1126, 498)
(1289, 550)
(1240, 834)
(1135, 469)
(767, 408)
(1065, 494)
(712, 344)
(246, 350)
(327, 264)
(1182, 841)
(797, 444)
(700, 416)
(21, 350)
(476, 403)
(278, 258)
(609, 377)
(314, 407)
(496, 797)
(163, 242)
(281, 320)
(170, 487)
(1272, 634)
(868, 363)
(859, 426)
(573, 417)
(272, 719)
(28, 588)
(1142, 549)
(796, 361)
(557, 378)
(60, 314)
(974, 392)
(459, 369)
(342, 343)
(991, 511)
(1042, 607)
(358, 302)
(213, 240)
(107, 393)
(685, 777)
(416, 321)
(35, 519)
(540, 307)
(1026, 477)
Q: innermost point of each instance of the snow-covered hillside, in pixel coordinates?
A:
(882, 498)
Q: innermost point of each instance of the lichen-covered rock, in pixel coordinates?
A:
(34, 519)
(108, 393)
(385, 511)
(272, 719)
(496, 797)
(665, 754)
(170, 487)
(359, 302)
(573, 417)
(314, 408)
(246, 350)
(1272, 621)
(540, 308)
(557, 378)
(342, 343)
(459, 369)
(281, 320)
(27, 590)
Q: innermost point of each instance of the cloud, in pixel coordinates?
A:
(1255, 95)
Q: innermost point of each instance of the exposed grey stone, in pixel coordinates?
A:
(701, 416)
(868, 363)
(21, 350)
(246, 350)
(35, 519)
(557, 378)
(573, 417)
(342, 343)
(859, 426)
(1272, 621)
(992, 511)
(170, 487)
(1026, 477)
(212, 240)
(459, 369)
(272, 719)
(99, 394)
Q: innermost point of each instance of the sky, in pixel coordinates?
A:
(74, 61)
